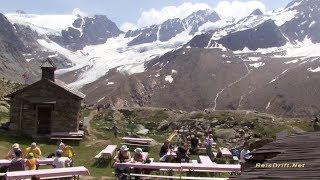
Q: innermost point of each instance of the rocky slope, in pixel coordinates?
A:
(230, 128)
(12, 62)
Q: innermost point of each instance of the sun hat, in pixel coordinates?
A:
(124, 148)
(138, 150)
(15, 145)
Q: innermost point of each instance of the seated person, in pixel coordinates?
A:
(183, 153)
(11, 154)
(123, 155)
(67, 151)
(59, 161)
(31, 162)
(138, 155)
(17, 163)
(33, 149)
(194, 141)
(165, 148)
(137, 158)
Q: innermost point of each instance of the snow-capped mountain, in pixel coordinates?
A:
(172, 27)
(253, 63)
(268, 62)
(88, 48)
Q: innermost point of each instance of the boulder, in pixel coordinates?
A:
(151, 125)
(164, 125)
(143, 132)
(4, 109)
(138, 127)
(225, 133)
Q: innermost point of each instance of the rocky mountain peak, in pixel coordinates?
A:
(306, 21)
(172, 27)
(256, 12)
(87, 31)
(197, 19)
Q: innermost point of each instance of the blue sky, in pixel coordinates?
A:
(119, 11)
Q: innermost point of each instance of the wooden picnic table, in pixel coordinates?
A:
(45, 173)
(6, 162)
(205, 160)
(107, 152)
(182, 166)
(211, 168)
(138, 140)
(152, 165)
(225, 152)
(172, 152)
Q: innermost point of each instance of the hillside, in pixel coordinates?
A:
(230, 128)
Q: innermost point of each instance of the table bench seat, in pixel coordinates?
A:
(48, 173)
(107, 152)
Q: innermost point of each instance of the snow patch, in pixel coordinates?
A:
(314, 70)
(174, 71)
(273, 80)
(110, 83)
(257, 65)
(293, 61)
(157, 75)
(101, 99)
(43, 24)
(312, 23)
(252, 59)
(169, 78)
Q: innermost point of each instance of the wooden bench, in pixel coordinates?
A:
(46, 161)
(48, 173)
(107, 152)
(137, 140)
(137, 145)
(67, 135)
(175, 177)
(205, 160)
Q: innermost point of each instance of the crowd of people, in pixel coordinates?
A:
(29, 158)
(183, 151)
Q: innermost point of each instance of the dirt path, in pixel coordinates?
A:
(92, 137)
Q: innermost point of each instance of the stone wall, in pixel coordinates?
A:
(64, 117)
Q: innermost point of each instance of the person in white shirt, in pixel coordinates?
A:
(59, 161)
(209, 143)
(243, 154)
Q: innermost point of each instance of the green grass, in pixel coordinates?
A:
(84, 154)
(103, 121)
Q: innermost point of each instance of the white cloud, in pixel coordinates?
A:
(77, 11)
(155, 16)
(225, 9)
(128, 26)
(238, 9)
